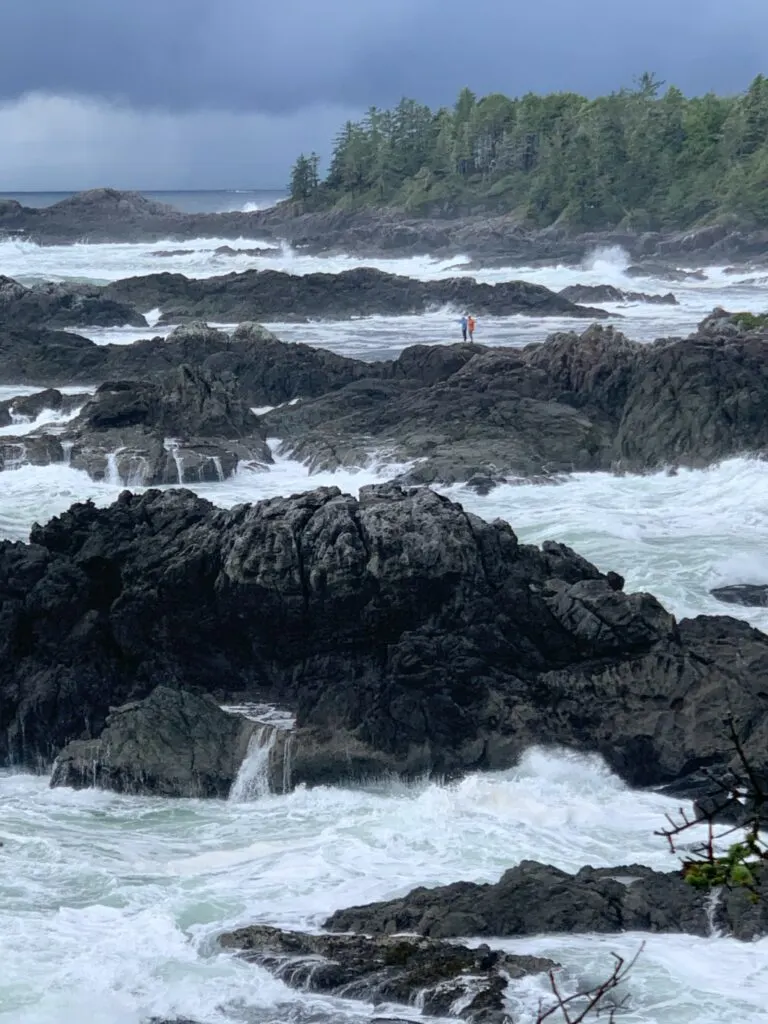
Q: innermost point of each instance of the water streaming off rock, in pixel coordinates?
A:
(253, 777)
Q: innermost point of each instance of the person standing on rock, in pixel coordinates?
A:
(464, 324)
(471, 328)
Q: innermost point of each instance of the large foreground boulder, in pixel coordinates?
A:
(448, 979)
(435, 641)
(172, 743)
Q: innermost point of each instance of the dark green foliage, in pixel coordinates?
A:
(305, 177)
(640, 158)
(750, 321)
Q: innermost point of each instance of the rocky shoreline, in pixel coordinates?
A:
(408, 637)
(108, 215)
(403, 636)
(181, 409)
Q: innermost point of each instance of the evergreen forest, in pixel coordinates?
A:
(645, 158)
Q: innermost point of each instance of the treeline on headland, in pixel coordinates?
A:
(645, 158)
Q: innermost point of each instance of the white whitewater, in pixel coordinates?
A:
(110, 905)
(253, 777)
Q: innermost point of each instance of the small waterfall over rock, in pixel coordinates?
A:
(253, 777)
(113, 469)
(714, 899)
(171, 445)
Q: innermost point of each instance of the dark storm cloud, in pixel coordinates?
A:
(277, 56)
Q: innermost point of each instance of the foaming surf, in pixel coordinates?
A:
(48, 419)
(110, 905)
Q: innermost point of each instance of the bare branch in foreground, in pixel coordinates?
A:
(593, 999)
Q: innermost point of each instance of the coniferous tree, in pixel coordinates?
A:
(646, 158)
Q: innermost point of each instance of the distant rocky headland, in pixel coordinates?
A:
(109, 215)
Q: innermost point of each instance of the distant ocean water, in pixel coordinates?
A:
(245, 200)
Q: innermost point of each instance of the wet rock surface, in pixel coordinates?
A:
(188, 425)
(588, 293)
(445, 979)
(270, 294)
(29, 407)
(748, 595)
(576, 402)
(407, 635)
(172, 743)
(535, 899)
(63, 305)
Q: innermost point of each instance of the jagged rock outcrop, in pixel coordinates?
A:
(536, 899)
(492, 416)
(397, 626)
(590, 401)
(447, 978)
(267, 294)
(173, 743)
(183, 426)
(63, 305)
(574, 402)
(696, 401)
(188, 425)
(587, 293)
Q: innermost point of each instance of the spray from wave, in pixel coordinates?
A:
(608, 262)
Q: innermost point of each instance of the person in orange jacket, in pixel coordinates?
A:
(471, 327)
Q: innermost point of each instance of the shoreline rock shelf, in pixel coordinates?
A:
(454, 413)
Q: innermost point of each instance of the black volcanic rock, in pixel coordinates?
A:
(271, 294)
(186, 425)
(172, 743)
(268, 371)
(59, 305)
(448, 979)
(31, 450)
(493, 415)
(609, 293)
(536, 899)
(749, 595)
(398, 627)
(590, 401)
(29, 407)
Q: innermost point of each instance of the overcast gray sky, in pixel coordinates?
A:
(225, 93)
